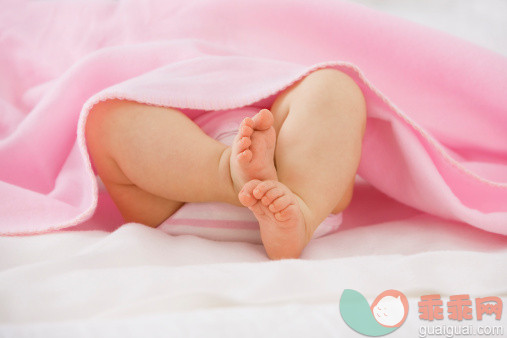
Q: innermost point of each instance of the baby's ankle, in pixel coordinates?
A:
(311, 223)
(230, 195)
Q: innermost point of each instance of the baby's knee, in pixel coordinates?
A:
(105, 122)
(96, 129)
(101, 128)
(349, 94)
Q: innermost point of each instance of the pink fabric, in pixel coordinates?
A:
(436, 138)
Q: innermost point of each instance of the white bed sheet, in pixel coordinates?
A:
(138, 281)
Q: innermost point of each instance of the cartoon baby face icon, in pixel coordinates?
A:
(390, 308)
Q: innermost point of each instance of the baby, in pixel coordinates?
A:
(291, 165)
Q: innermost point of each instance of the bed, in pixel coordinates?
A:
(126, 280)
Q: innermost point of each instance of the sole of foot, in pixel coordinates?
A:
(253, 150)
(281, 221)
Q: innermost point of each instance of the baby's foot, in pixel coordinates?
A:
(281, 221)
(253, 150)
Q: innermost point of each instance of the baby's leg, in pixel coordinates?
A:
(151, 159)
(320, 124)
(320, 133)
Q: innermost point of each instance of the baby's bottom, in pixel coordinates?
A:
(153, 159)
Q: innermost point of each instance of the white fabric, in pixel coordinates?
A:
(141, 280)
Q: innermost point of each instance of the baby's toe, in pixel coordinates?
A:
(280, 203)
(285, 214)
(271, 195)
(244, 143)
(263, 187)
(263, 119)
(245, 195)
(245, 156)
(246, 127)
(247, 199)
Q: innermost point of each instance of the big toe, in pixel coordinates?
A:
(246, 196)
(263, 119)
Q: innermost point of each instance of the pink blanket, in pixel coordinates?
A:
(436, 137)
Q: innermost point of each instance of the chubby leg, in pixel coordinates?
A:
(320, 123)
(152, 159)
